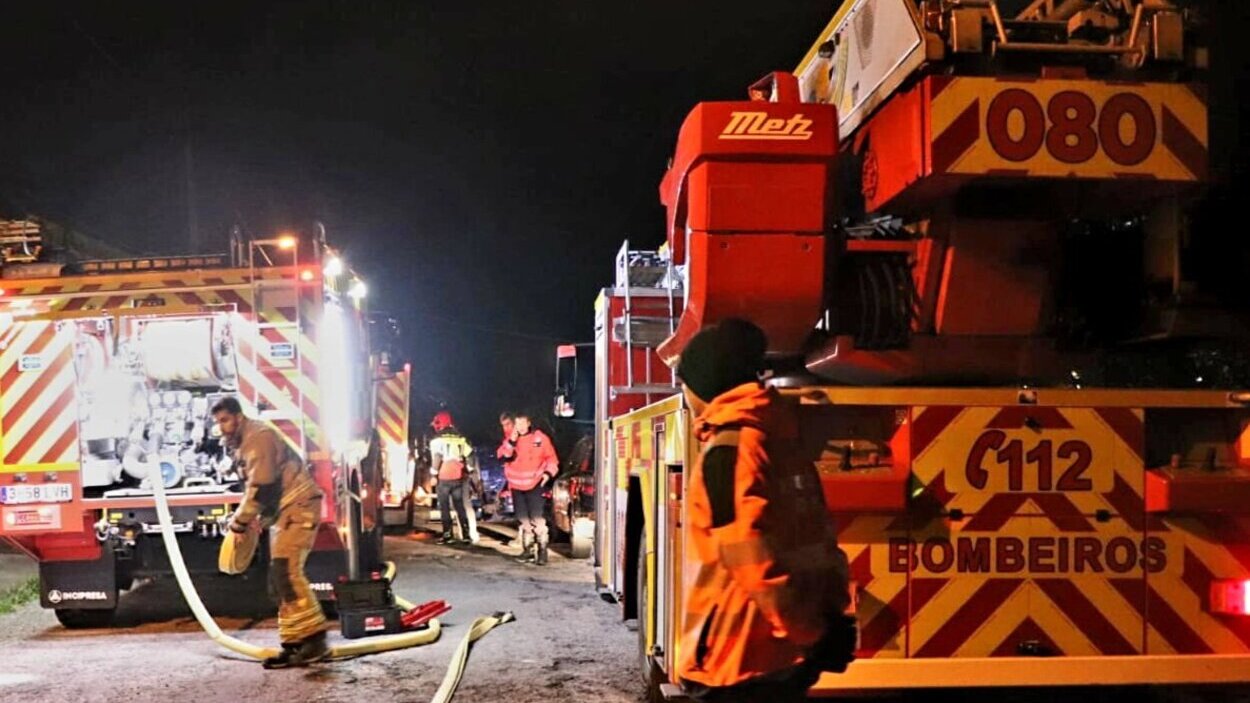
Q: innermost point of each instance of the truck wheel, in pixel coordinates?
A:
(78, 619)
(651, 676)
(558, 536)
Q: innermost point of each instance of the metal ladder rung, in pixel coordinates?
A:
(647, 388)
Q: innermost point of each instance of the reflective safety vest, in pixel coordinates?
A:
(454, 451)
(527, 459)
(770, 576)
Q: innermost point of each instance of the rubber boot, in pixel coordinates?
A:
(309, 651)
(541, 559)
(527, 550)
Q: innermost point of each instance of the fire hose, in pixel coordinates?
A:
(455, 671)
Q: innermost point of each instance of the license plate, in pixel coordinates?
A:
(41, 493)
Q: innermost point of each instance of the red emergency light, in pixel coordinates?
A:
(1230, 597)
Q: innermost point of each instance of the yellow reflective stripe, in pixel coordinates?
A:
(304, 490)
(723, 438)
(755, 551)
(747, 553)
(38, 468)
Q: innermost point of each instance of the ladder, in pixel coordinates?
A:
(260, 255)
(644, 270)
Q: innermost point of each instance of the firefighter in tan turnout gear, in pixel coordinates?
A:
(281, 495)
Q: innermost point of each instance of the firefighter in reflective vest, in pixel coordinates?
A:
(766, 612)
(449, 461)
(530, 464)
(280, 494)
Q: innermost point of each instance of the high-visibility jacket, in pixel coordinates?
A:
(449, 452)
(770, 576)
(527, 459)
(275, 475)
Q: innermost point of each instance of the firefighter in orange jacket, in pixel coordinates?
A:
(766, 612)
(530, 464)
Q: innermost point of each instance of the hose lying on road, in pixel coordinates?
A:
(455, 670)
(369, 646)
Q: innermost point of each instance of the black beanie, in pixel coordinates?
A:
(722, 356)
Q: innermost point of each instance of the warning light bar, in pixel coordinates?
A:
(1230, 597)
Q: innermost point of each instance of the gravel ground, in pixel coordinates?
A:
(566, 645)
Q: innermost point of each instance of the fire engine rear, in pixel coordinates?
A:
(965, 233)
(109, 373)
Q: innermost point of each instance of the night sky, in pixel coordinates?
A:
(480, 162)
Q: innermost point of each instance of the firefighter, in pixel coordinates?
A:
(280, 494)
(449, 461)
(530, 464)
(766, 611)
(507, 423)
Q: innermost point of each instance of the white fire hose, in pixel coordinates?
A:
(455, 670)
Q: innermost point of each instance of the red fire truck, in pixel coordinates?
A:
(963, 232)
(108, 371)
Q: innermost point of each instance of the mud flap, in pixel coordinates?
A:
(324, 568)
(79, 585)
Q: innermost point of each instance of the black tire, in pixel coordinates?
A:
(558, 536)
(369, 542)
(79, 619)
(651, 675)
(370, 558)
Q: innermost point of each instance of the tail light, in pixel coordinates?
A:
(1230, 597)
(588, 489)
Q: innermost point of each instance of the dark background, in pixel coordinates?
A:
(480, 162)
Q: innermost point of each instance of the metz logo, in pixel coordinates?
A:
(758, 125)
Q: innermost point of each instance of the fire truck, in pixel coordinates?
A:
(391, 402)
(618, 372)
(965, 232)
(110, 371)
